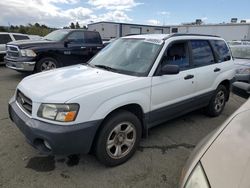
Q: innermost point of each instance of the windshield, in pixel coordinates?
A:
(56, 35)
(128, 56)
(241, 52)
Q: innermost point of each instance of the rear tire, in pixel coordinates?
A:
(46, 63)
(118, 139)
(217, 102)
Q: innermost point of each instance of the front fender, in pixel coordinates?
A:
(142, 98)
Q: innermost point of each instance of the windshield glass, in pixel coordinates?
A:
(56, 35)
(241, 52)
(128, 56)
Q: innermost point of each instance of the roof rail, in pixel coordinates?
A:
(188, 34)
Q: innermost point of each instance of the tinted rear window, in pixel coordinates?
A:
(221, 50)
(92, 38)
(76, 37)
(21, 37)
(202, 53)
(5, 38)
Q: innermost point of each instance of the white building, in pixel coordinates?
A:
(110, 30)
(228, 31)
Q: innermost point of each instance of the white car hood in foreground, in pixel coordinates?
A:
(227, 161)
(61, 85)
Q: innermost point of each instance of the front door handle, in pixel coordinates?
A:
(217, 70)
(83, 47)
(188, 77)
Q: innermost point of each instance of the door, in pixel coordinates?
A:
(75, 50)
(172, 95)
(93, 43)
(204, 62)
(4, 39)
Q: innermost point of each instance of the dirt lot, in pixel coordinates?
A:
(157, 163)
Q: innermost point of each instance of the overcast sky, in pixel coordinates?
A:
(59, 13)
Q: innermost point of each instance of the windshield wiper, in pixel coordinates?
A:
(106, 68)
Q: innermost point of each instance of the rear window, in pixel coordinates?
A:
(21, 37)
(5, 38)
(76, 37)
(221, 50)
(202, 53)
(92, 38)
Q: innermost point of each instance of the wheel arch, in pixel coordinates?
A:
(135, 109)
(227, 84)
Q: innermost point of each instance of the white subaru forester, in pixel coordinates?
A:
(133, 84)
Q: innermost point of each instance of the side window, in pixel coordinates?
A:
(21, 37)
(202, 53)
(76, 37)
(92, 38)
(221, 50)
(177, 54)
(5, 38)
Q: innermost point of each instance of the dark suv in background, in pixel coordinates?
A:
(59, 48)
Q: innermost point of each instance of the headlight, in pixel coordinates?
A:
(28, 53)
(243, 70)
(58, 112)
(197, 179)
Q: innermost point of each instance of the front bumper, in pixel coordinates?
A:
(28, 66)
(241, 89)
(243, 78)
(63, 140)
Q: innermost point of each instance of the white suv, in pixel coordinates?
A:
(133, 84)
(8, 37)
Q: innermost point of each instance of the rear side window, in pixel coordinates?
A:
(5, 38)
(21, 37)
(92, 38)
(202, 53)
(76, 37)
(221, 50)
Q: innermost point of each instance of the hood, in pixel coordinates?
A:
(61, 85)
(31, 43)
(212, 159)
(226, 162)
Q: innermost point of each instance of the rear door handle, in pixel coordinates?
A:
(83, 47)
(217, 70)
(188, 77)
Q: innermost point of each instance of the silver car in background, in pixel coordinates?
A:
(222, 159)
(241, 54)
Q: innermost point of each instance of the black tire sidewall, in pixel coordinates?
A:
(211, 107)
(41, 61)
(108, 126)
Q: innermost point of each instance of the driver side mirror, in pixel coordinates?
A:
(67, 41)
(170, 69)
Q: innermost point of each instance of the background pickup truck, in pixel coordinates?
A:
(59, 48)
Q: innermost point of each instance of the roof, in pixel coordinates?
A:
(209, 25)
(166, 36)
(13, 33)
(120, 23)
(149, 36)
(168, 26)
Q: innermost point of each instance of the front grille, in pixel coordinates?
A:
(24, 102)
(12, 51)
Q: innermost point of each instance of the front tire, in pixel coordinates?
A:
(46, 64)
(217, 102)
(118, 139)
